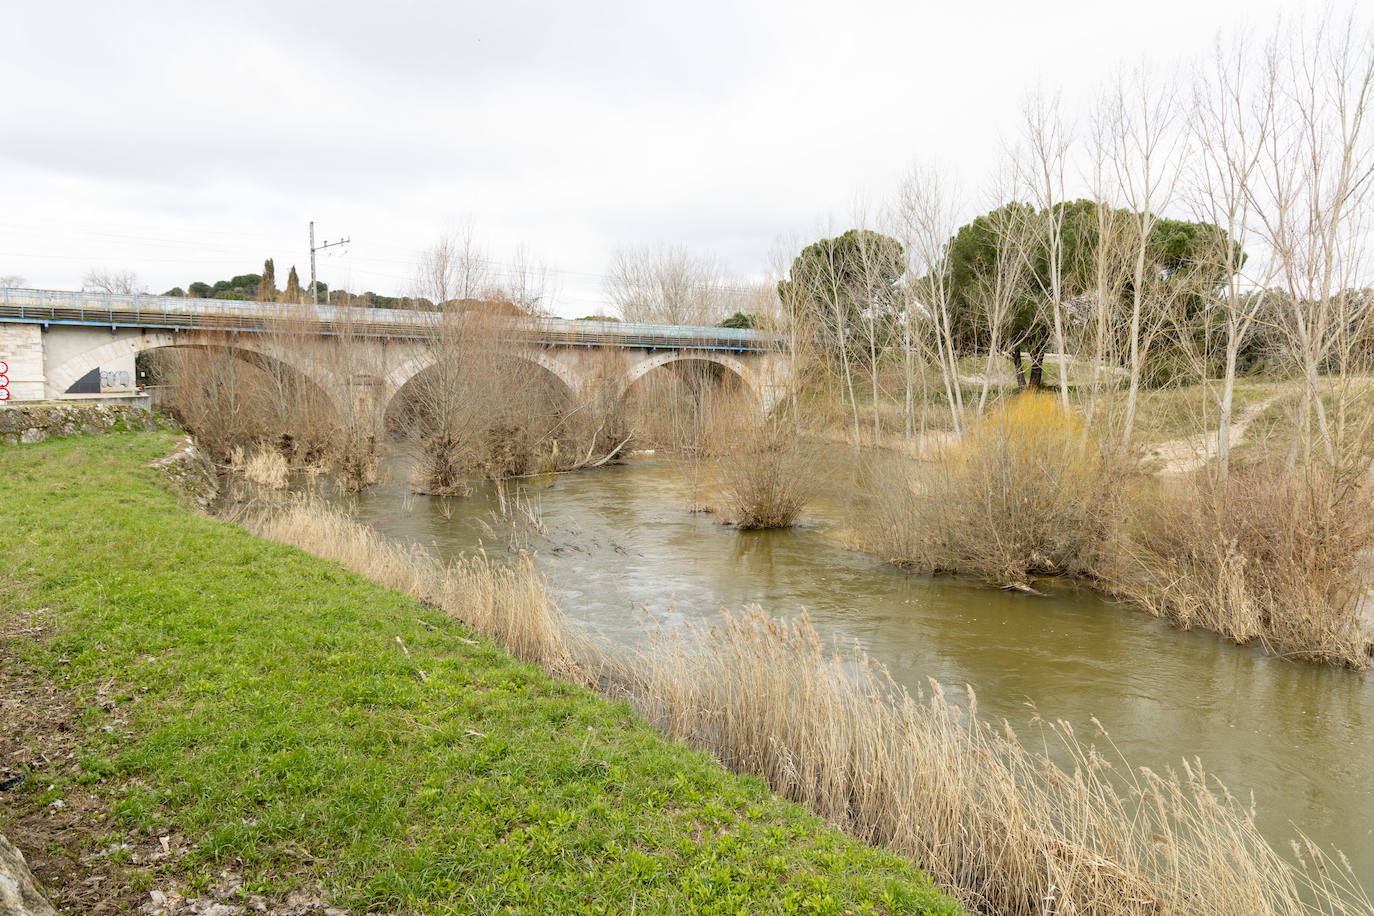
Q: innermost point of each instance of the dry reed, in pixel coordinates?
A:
(265, 467)
(767, 474)
(1008, 830)
(1265, 555)
(507, 602)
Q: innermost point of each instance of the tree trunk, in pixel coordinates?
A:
(1016, 364)
(1037, 367)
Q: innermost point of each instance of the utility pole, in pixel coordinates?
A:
(314, 290)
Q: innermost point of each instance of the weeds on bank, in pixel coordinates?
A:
(509, 603)
(1005, 828)
(1265, 555)
(1274, 553)
(265, 467)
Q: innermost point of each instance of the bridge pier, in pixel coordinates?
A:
(21, 348)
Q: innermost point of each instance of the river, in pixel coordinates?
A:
(620, 545)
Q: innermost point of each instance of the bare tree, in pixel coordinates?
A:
(122, 282)
(1111, 258)
(926, 212)
(1318, 174)
(453, 269)
(484, 406)
(12, 280)
(1047, 144)
(527, 283)
(876, 319)
(667, 285)
(1147, 158)
(1232, 118)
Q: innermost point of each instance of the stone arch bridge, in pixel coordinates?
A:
(69, 345)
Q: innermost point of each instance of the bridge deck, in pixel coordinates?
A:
(37, 306)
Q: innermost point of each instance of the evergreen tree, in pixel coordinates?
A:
(844, 285)
(267, 286)
(293, 288)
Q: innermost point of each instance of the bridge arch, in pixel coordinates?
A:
(403, 374)
(244, 347)
(730, 364)
(397, 377)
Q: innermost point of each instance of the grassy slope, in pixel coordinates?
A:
(270, 712)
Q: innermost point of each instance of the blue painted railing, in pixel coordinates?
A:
(43, 306)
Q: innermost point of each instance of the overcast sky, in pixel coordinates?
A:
(189, 143)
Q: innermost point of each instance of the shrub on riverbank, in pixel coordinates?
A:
(246, 719)
(1026, 492)
(767, 473)
(247, 401)
(1268, 554)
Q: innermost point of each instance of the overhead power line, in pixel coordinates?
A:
(314, 289)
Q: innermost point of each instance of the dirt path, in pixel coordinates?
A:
(1178, 457)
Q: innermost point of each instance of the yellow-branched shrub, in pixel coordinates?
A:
(1026, 492)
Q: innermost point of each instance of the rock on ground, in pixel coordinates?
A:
(19, 894)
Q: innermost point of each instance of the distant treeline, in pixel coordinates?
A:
(262, 287)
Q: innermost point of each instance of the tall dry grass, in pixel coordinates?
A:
(1007, 829)
(1267, 555)
(507, 602)
(265, 467)
(1025, 492)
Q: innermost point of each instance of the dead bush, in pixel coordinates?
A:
(767, 473)
(1265, 555)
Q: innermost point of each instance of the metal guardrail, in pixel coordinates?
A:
(41, 306)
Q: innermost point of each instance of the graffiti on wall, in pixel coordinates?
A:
(116, 378)
(98, 380)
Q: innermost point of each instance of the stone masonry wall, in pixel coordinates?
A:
(35, 423)
(21, 348)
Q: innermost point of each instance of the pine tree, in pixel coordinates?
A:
(293, 288)
(267, 286)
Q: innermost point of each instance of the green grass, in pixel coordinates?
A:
(269, 716)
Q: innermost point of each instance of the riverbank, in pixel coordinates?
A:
(983, 813)
(202, 715)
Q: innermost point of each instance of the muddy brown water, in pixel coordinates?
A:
(619, 543)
